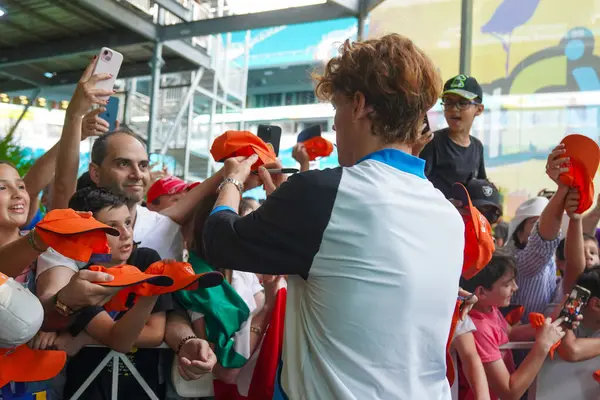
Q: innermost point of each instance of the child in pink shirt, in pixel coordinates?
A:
(494, 287)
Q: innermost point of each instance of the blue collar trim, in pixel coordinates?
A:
(399, 160)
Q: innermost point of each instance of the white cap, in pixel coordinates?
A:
(529, 208)
(21, 313)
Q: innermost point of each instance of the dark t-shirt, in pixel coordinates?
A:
(448, 162)
(146, 361)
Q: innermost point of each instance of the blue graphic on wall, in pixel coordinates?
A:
(294, 44)
(509, 15)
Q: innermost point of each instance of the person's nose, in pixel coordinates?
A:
(333, 128)
(136, 173)
(124, 234)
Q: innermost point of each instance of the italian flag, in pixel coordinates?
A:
(228, 319)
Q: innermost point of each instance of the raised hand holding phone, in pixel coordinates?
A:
(86, 93)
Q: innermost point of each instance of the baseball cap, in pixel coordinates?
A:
(528, 209)
(479, 243)
(164, 186)
(181, 276)
(21, 313)
(24, 364)
(128, 275)
(242, 143)
(464, 86)
(76, 235)
(315, 145)
(584, 155)
(309, 133)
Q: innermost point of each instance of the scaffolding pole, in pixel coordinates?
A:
(466, 36)
(157, 63)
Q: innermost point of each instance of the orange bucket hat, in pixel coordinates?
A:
(584, 155)
(23, 364)
(76, 235)
(180, 276)
(242, 143)
(479, 242)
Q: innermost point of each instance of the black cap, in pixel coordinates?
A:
(483, 193)
(464, 86)
(309, 133)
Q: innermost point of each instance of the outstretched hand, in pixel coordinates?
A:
(86, 94)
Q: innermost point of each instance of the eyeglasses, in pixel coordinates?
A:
(461, 105)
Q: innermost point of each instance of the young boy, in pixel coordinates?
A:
(494, 287)
(453, 155)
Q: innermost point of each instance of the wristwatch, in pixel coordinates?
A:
(62, 308)
(235, 182)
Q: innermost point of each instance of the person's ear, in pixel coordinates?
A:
(480, 109)
(480, 292)
(95, 173)
(360, 108)
(594, 304)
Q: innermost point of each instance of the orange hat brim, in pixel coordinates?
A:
(69, 222)
(27, 365)
(128, 275)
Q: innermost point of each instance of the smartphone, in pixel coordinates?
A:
(270, 134)
(574, 304)
(111, 113)
(109, 62)
(280, 171)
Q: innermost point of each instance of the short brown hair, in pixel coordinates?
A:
(399, 82)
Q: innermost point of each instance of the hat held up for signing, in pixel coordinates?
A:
(21, 313)
(242, 143)
(479, 242)
(314, 143)
(76, 235)
(584, 157)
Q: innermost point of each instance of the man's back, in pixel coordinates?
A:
(371, 321)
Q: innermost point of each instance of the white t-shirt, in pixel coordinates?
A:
(464, 326)
(151, 229)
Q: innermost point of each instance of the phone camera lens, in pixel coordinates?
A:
(105, 52)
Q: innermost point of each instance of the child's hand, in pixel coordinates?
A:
(549, 333)
(555, 165)
(43, 341)
(571, 203)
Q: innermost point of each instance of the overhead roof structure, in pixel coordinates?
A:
(45, 43)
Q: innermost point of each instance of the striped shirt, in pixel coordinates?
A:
(536, 273)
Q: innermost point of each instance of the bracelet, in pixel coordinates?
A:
(31, 241)
(61, 307)
(238, 184)
(184, 341)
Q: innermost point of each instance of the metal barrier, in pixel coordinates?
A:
(115, 357)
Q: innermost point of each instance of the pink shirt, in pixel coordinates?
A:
(491, 333)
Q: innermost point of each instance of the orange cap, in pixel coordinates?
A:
(183, 276)
(318, 147)
(584, 156)
(180, 274)
(242, 143)
(128, 275)
(479, 242)
(76, 235)
(583, 149)
(596, 375)
(69, 222)
(513, 314)
(26, 365)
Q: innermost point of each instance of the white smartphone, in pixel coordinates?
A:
(109, 62)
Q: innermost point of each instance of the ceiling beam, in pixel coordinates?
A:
(233, 23)
(82, 45)
(176, 9)
(21, 81)
(369, 5)
(353, 6)
(145, 27)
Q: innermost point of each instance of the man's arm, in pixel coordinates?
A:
(282, 236)
(183, 211)
(17, 255)
(591, 219)
(575, 349)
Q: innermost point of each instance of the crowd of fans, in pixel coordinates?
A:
(363, 261)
